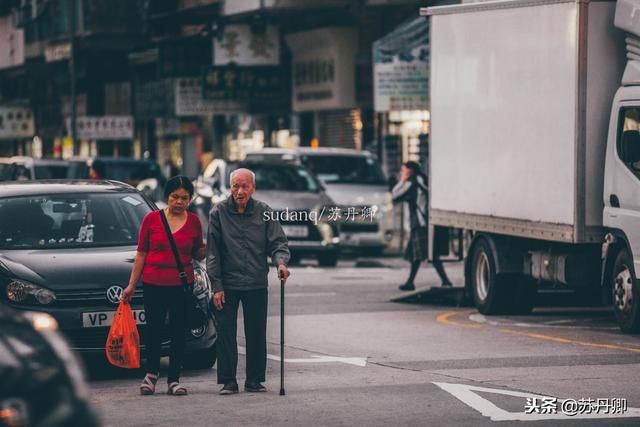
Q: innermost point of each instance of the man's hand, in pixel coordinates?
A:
(283, 272)
(218, 300)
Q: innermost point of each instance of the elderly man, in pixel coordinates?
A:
(240, 238)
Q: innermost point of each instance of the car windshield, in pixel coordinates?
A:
(71, 220)
(336, 169)
(280, 177)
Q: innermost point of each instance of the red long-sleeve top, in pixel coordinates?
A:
(160, 265)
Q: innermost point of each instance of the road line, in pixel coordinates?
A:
(445, 319)
(570, 341)
(468, 394)
(356, 361)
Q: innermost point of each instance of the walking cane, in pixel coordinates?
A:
(282, 336)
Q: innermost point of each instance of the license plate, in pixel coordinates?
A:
(101, 319)
(295, 230)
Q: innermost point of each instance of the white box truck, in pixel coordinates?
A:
(535, 147)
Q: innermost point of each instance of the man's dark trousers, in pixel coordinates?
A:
(254, 309)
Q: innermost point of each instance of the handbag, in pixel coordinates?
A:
(197, 316)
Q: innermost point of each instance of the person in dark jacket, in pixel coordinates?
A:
(240, 237)
(412, 188)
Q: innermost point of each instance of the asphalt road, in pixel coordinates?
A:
(354, 357)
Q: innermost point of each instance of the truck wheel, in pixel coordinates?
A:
(329, 259)
(486, 285)
(626, 293)
(201, 359)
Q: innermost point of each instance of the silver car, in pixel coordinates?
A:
(353, 179)
(298, 200)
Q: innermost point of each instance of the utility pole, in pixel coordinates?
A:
(72, 70)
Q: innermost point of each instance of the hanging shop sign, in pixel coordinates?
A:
(190, 100)
(242, 46)
(57, 52)
(11, 44)
(16, 122)
(401, 68)
(102, 127)
(255, 88)
(323, 73)
(154, 99)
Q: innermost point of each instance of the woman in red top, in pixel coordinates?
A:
(163, 291)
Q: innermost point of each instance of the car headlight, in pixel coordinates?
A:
(21, 292)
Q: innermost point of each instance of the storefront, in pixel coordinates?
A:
(17, 132)
(401, 77)
(323, 85)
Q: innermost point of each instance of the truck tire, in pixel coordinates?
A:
(486, 285)
(201, 359)
(625, 293)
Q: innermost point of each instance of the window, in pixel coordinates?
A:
(336, 169)
(628, 143)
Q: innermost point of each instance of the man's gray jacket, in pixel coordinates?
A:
(238, 245)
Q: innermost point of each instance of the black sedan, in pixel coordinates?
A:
(67, 248)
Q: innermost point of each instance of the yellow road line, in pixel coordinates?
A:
(571, 342)
(445, 319)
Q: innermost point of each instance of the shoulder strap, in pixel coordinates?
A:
(174, 249)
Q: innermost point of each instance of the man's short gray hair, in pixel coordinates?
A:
(253, 175)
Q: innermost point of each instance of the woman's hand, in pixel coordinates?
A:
(127, 294)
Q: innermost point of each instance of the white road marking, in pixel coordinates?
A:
(357, 361)
(466, 394)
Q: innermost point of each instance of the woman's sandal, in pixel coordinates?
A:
(175, 389)
(148, 385)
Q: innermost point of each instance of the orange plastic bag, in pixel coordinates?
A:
(123, 342)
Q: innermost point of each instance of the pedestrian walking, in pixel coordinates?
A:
(242, 234)
(412, 188)
(163, 289)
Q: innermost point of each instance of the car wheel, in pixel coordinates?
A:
(329, 259)
(201, 359)
(626, 295)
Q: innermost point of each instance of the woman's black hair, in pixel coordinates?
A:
(177, 182)
(414, 166)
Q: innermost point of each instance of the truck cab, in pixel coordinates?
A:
(621, 197)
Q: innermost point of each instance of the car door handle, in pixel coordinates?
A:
(614, 201)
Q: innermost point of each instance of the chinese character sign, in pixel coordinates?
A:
(401, 68)
(241, 46)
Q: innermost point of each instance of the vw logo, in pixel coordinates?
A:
(114, 293)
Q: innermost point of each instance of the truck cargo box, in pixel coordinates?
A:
(520, 98)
